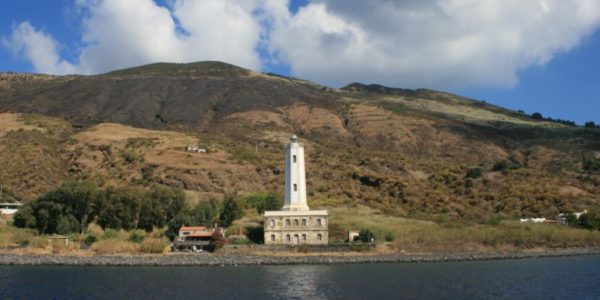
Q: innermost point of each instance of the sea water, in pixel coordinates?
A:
(540, 278)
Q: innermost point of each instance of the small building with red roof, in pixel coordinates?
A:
(194, 238)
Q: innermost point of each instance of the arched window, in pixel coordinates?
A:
(319, 236)
(272, 223)
(287, 222)
(304, 236)
(296, 222)
(288, 237)
(272, 237)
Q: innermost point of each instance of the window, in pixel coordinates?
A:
(304, 237)
(272, 223)
(287, 237)
(319, 236)
(186, 233)
(287, 222)
(296, 222)
(303, 222)
(295, 187)
(272, 237)
(294, 158)
(319, 222)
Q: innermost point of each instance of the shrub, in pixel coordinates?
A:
(217, 241)
(366, 236)
(473, 173)
(111, 234)
(500, 166)
(90, 239)
(137, 236)
(22, 237)
(388, 236)
(591, 164)
(154, 246)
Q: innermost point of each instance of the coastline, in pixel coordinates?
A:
(206, 259)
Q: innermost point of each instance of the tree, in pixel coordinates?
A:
(231, 211)
(161, 204)
(272, 202)
(120, 208)
(24, 217)
(205, 213)
(47, 215)
(78, 200)
(590, 124)
(537, 116)
(175, 224)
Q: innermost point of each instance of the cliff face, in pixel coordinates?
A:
(406, 152)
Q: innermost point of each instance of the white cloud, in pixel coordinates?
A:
(39, 48)
(429, 43)
(119, 34)
(406, 43)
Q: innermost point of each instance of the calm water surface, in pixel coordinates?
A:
(543, 278)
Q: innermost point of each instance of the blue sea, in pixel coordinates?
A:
(540, 278)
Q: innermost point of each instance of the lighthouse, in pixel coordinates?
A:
(295, 178)
(295, 223)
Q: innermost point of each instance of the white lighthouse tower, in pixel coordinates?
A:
(295, 223)
(295, 180)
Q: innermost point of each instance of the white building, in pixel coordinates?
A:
(9, 208)
(295, 223)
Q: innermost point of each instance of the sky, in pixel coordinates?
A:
(532, 55)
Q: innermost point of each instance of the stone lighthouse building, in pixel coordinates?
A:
(295, 223)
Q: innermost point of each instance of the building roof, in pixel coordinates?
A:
(192, 228)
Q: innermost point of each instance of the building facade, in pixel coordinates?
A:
(295, 223)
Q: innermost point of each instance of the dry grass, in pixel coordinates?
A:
(468, 112)
(10, 122)
(505, 236)
(113, 246)
(424, 236)
(154, 245)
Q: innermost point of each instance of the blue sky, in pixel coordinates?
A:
(528, 62)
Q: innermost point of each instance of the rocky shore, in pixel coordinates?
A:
(206, 259)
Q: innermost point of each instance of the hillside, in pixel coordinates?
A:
(417, 153)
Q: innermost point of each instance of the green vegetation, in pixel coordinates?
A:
(231, 211)
(473, 173)
(72, 206)
(366, 236)
(262, 202)
(448, 235)
(591, 164)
